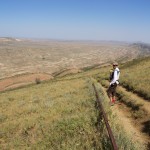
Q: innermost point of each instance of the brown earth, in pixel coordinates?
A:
(21, 80)
(145, 104)
(21, 56)
(29, 78)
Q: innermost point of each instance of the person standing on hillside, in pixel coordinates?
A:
(114, 81)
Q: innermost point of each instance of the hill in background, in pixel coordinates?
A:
(62, 113)
(19, 56)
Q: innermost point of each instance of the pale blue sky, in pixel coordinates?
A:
(121, 20)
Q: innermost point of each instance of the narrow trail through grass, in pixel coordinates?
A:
(133, 113)
(124, 115)
(138, 112)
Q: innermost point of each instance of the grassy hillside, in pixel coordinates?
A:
(58, 114)
(135, 76)
(133, 93)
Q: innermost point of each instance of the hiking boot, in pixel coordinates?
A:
(113, 100)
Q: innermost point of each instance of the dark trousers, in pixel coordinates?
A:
(111, 91)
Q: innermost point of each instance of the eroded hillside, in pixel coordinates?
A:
(25, 56)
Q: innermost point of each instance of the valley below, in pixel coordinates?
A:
(23, 61)
(20, 56)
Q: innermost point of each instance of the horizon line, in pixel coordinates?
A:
(63, 39)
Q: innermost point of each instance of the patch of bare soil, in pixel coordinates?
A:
(21, 80)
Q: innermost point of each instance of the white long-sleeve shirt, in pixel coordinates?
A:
(116, 76)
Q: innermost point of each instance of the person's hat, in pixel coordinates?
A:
(115, 64)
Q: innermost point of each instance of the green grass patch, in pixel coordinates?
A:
(53, 115)
(135, 77)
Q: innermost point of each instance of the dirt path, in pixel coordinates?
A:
(138, 129)
(130, 126)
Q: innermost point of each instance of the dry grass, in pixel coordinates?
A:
(139, 108)
(124, 139)
(54, 115)
(135, 77)
(21, 80)
(59, 114)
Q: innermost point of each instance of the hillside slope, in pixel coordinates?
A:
(133, 96)
(59, 114)
(135, 76)
(55, 115)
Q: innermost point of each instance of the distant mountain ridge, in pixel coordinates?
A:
(144, 48)
(9, 39)
(142, 45)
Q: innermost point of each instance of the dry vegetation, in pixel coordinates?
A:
(136, 112)
(54, 115)
(29, 56)
(135, 77)
(133, 93)
(59, 114)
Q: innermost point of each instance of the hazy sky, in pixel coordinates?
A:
(123, 20)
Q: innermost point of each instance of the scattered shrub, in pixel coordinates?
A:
(37, 80)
